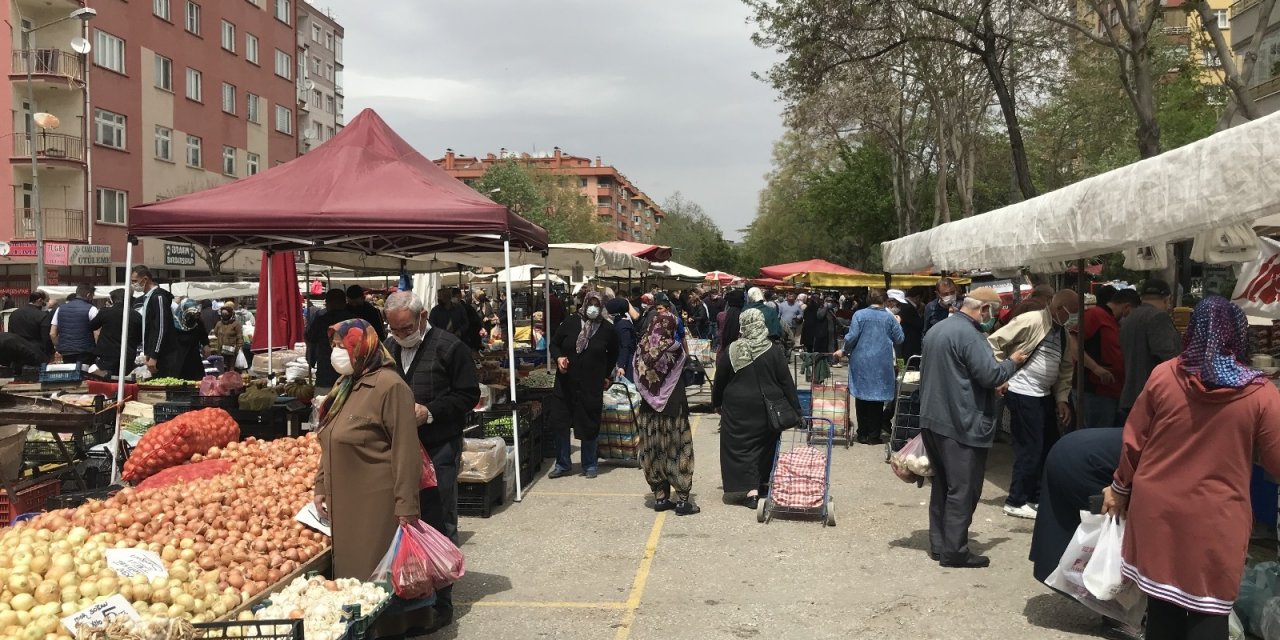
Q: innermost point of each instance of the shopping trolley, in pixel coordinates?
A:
(906, 414)
(800, 479)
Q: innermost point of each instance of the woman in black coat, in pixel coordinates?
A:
(585, 349)
(757, 369)
(186, 356)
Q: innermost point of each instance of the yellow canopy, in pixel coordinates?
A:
(899, 281)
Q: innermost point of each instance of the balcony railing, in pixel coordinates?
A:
(48, 62)
(1243, 5)
(1265, 89)
(1175, 31)
(60, 225)
(51, 146)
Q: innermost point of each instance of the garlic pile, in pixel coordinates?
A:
(319, 603)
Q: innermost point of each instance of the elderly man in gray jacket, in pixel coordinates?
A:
(957, 414)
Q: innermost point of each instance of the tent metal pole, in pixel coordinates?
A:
(271, 373)
(124, 354)
(546, 301)
(511, 369)
(533, 344)
(1081, 284)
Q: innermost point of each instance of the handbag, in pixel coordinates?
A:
(781, 415)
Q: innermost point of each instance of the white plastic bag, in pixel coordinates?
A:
(1128, 606)
(1102, 576)
(1270, 626)
(1235, 628)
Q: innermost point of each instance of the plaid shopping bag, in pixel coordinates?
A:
(831, 401)
(800, 479)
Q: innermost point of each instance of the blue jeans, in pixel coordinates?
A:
(1035, 430)
(1101, 412)
(564, 451)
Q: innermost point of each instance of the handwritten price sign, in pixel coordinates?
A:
(136, 562)
(99, 615)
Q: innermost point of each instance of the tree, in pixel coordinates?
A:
(1236, 79)
(544, 198)
(214, 257)
(695, 239)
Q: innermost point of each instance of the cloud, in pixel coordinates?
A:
(661, 89)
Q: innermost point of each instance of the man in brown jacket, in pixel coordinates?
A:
(1032, 392)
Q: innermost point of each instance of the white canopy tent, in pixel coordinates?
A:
(1226, 179)
(563, 258)
(213, 290)
(675, 270)
(60, 293)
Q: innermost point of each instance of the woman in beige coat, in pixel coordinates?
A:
(370, 463)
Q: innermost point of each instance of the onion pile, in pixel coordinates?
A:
(223, 540)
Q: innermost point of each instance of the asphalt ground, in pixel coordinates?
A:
(590, 559)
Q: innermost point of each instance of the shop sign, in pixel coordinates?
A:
(22, 249)
(179, 255)
(56, 254)
(90, 255)
(51, 277)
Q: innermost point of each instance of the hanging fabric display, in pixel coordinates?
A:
(1258, 287)
(1146, 258)
(1236, 243)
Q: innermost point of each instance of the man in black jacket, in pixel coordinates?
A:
(439, 369)
(360, 308)
(108, 324)
(319, 347)
(32, 323)
(156, 309)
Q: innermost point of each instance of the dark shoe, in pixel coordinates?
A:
(751, 502)
(686, 508)
(935, 556)
(590, 473)
(663, 505)
(971, 562)
(875, 441)
(559, 473)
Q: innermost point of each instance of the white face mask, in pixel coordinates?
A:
(136, 286)
(410, 341)
(593, 312)
(949, 300)
(341, 361)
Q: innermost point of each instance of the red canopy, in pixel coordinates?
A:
(650, 252)
(366, 191)
(722, 277)
(283, 306)
(808, 266)
(768, 282)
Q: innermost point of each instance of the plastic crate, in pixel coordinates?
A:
(180, 394)
(496, 422)
(271, 424)
(478, 499)
(806, 401)
(74, 375)
(78, 444)
(73, 500)
(32, 498)
(229, 403)
(251, 629)
(166, 411)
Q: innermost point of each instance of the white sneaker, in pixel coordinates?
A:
(1025, 512)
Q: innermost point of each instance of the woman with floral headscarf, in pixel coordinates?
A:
(1183, 479)
(666, 441)
(370, 459)
(185, 358)
(585, 350)
(757, 369)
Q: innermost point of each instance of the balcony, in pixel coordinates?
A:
(60, 225)
(1175, 31)
(1243, 5)
(1267, 88)
(49, 146)
(49, 64)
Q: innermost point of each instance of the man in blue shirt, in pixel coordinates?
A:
(939, 308)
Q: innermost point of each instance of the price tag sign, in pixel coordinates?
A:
(99, 615)
(310, 517)
(128, 563)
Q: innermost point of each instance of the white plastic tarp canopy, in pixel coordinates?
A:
(213, 290)
(677, 271)
(1228, 178)
(60, 293)
(561, 257)
(522, 274)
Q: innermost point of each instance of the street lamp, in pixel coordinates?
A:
(85, 14)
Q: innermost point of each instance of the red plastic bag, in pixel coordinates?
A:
(428, 471)
(409, 574)
(446, 564)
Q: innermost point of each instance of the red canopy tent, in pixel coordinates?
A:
(783, 271)
(723, 278)
(279, 313)
(768, 282)
(650, 252)
(366, 191)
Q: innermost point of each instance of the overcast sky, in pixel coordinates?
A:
(660, 89)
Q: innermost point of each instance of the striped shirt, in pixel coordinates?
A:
(1037, 377)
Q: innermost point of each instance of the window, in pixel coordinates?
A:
(283, 12)
(337, 49)
(328, 40)
(315, 66)
(164, 73)
(284, 65)
(228, 160)
(1223, 17)
(582, 182)
(160, 8)
(328, 103)
(329, 133)
(194, 157)
(112, 205)
(1211, 59)
(315, 98)
(328, 72)
(195, 89)
(228, 36)
(193, 17)
(164, 144)
(284, 119)
(229, 98)
(319, 132)
(108, 51)
(251, 107)
(251, 48)
(108, 129)
(251, 162)
(315, 33)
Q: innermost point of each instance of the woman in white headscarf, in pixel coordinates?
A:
(757, 370)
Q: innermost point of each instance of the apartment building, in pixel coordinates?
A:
(320, 95)
(1179, 24)
(175, 96)
(629, 213)
(1264, 86)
